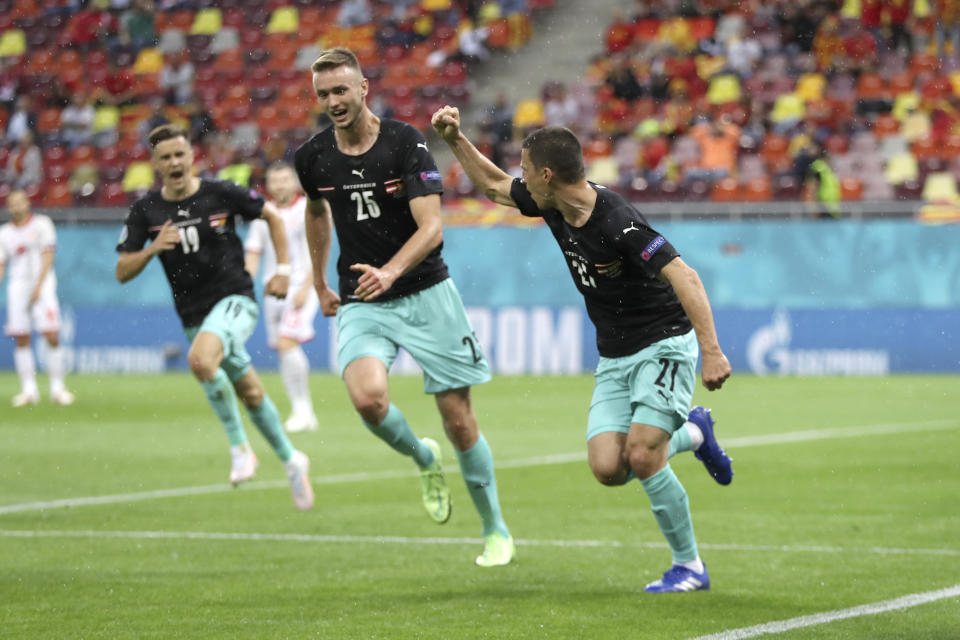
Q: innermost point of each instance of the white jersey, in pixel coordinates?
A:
(258, 241)
(21, 250)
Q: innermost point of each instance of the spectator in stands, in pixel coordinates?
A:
(860, 48)
(9, 83)
(176, 78)
(947, 27)
(354, 13)
(498, 125)
(718, 149)
(25, 164)
(157, 118)
(92, 27)
(623, 80)
(470, 39)
(897, 16)
(23, 119)
(742, 55)
(559, 107)
(76, 120)
(119, 88)
(138, 25)
(201, 123)
(821, 186)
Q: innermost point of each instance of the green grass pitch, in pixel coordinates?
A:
(847, 493)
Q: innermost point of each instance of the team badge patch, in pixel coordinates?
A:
(652, 248)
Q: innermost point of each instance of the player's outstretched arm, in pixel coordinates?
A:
(280, 282)
(715, 368)
(130, 264)
(319, 229)
(486, 176)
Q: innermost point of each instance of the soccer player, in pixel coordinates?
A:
(650, 310)
(190, 222)
(376, 180)
(289, 321)
(27, 245)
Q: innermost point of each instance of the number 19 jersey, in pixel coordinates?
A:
(369, 195)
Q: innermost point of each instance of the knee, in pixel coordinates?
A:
(251, 397)
(645, 460)
(371, 405)
(202, 367)
(461, 430)
(609, 473)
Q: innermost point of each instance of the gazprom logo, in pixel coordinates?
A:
(652, 248)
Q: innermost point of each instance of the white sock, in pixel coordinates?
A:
(26, 369)
(696, 436)
(55, 369)
(696, 566)
(295, 371)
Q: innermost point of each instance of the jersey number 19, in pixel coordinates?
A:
(189, 239)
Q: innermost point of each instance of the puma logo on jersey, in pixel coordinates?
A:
(420, 144)
(630, 228)
(182, 213)
(359, 173)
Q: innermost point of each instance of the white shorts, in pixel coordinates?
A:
(23, 319)
(282, 320)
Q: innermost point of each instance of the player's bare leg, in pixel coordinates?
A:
(27, 372)
(368, 387)
(476, 465)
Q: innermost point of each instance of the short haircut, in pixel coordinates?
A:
(167, 132)
(279, 165)
(336, 57)
(558, 149)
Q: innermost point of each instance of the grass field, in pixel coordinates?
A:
(847, 493)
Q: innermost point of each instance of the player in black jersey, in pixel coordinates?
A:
(646, 303)
(190, 223)
(377, 182)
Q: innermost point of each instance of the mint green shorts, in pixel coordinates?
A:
(431, 325)
(653, 386)
(233, 320)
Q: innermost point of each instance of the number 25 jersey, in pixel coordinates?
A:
(369, 195)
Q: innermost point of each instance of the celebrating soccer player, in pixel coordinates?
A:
(27, 245)
(190, 222)
(376, 180)
(650, 311)
(289, 321)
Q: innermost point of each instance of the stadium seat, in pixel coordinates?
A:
(725, 190)
(528, 113)
(149, 60)
(283, 20)
(207, 22)
(910, 190)
(112, 194)
(902, 168)
(138, 177)
(57, 195)
(757, 189)
(723, 88)
(13, 43)
(851, 189)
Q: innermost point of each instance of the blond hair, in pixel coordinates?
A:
(336, 57)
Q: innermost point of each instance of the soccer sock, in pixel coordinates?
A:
(223, 399)
(395, 431)
(476, 466)
(268, 423)
(295, 371)
(26, 369)
(686, 438)
(55, 369)
(672, 511)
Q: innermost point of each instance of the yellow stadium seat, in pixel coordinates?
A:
(941, 188)
(904, 103)
(788, 106)
(237, 173)
(529, 113)
(106, 118)
(723, 89)
(284, 20)
(901, 168)
(435, 5)
(605, 171)
(810, 87)
(13, 42)
(139, 176)
(149, 60)
(207, 22)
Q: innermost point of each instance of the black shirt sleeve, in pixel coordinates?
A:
(641, 244)
(301, 160)
(420, 174)
(246, 203)
(521, 196)
(133, 236)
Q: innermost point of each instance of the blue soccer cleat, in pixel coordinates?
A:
(714, 458)
(679, 579)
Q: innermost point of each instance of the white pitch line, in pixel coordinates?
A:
(905, 602)
(404, 540)
(561, 458)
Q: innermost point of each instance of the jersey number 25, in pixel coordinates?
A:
(367, 206)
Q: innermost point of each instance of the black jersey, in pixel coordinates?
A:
(207, 266)
(369, 195)
(614, 259)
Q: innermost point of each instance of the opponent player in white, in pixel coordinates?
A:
(27, 245)
(289, 321)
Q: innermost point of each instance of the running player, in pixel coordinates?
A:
(190, 222)
(650, 310)
(289, 321)
(376, 180)
(27, 245)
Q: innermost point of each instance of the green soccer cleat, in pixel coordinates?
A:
(436, 493)
(498, 550)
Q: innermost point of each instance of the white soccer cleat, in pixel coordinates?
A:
(298, 473)
(243, 463)
(298, 422)
(24, 399)
(63, 398)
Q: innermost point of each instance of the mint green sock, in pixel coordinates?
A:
(395, 431)
(679, 442)
(223, 399)
(672, 511)
(267, 420)
(476, 465)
